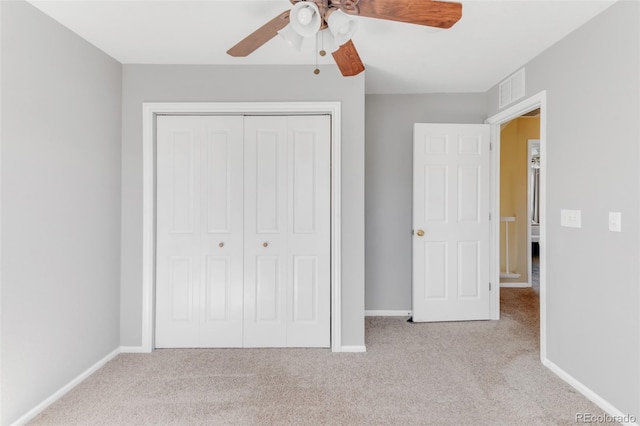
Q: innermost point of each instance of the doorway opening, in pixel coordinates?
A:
(520, 200)
(505, 205)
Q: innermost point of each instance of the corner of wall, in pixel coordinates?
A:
(1, 394)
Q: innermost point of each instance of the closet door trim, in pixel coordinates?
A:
(150, 110)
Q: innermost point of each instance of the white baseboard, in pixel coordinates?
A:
(66, 388)
(353, 349)
(617, 415)
(406, 313)
(514, 285)
(133, 350)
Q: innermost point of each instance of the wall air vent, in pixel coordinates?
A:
(511, 89)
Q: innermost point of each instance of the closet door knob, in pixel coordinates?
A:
(221, 244)
(265, 244)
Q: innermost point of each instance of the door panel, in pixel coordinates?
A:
(309, 231)
(305, 288)
(304, 181)
(468, 269)
(265, 238)
(219, 192)
(269, 150)
(468, 194)
(267, 289)
(217, 288)
(294, 229)
(182, 184)
(435, 266)
(182, 285)
(222, 245)
(199, 243)
(451, 198)
(436, 192)
(178, 230)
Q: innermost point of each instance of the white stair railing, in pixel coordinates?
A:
(507, 274)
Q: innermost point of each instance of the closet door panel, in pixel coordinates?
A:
(265, 235)
(199, 232)
(178, 234)
(222, 224)
(308, 232)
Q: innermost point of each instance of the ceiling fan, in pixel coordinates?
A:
(307, 17)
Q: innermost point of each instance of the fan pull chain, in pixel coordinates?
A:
(317, 70)
(322, 51)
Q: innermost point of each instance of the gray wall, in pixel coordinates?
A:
(61, 110)
(593, 279)
(389, 181)
(173, 83)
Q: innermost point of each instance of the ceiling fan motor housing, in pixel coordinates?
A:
(326, 6)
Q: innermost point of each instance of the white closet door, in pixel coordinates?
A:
(265, 237)
(199, 269)
(308, 231)
(243, 232)
(287, 231)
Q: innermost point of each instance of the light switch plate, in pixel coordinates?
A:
(615, 221)
(571, 218)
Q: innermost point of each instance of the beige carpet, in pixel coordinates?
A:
(470, 373)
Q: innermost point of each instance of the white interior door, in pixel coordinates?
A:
(309, 231)
(287, 231)
(243, 231)
(451, 206)
(265, 231)
(199, 266)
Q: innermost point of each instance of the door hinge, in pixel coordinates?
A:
(489, 216)
(489, 286)
(490, 146)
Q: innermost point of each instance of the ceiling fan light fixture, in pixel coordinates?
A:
(305, 18)
(329, 41)
(341, 25)
(292, 38)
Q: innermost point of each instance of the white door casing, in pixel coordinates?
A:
(243, 265)
(539, 100)
(451, 206)
(150, 112)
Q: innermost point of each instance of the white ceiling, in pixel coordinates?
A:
(492, 39)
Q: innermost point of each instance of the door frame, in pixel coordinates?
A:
(150, 110)
(538, 100)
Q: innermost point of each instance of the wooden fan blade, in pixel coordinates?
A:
(431, 13)
(348, 60)
(260, 36)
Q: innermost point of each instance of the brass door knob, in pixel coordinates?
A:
(221, 245)
(420, 233)
(265, 244)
